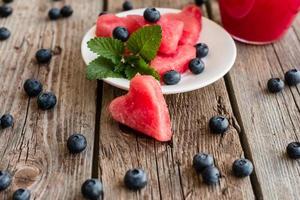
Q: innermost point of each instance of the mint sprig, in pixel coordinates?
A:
(112, 61)
(108, 48)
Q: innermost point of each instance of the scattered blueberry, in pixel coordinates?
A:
(196, 66)
(33, 87)
(202, 161)
(43, 55)
(242, 167)
(21, 194)
(171, 77)
(66, 11)
(76, 143)
(7, 120)
(200, 2)
(292, 77)
(5, 180)
(218, 124)
(211, 175)
(275, 85)
(135, 179)
(46, 100)
(151, 15)
(54, 13)
(201, 50)
(293, 150)
(4, 33)
(5, 11)
(127, 5)
(92, 189)
(121, 33)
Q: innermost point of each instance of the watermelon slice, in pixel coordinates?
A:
(191, 16)
(171, 34)
(144, 108)
(178, 61)
(108, 22)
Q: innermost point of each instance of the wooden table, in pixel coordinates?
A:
(35, 152)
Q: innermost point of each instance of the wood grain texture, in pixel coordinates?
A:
(34, 150)
(169, 165)
(269, 121)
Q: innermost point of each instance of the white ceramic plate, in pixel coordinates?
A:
(222, 54)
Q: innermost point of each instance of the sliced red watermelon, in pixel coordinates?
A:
(144, 108)
(191, 16)
(178, 61)
(108, 22)
(171, 34)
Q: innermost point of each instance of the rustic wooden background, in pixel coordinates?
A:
(34, 150)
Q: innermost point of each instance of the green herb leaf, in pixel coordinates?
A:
(145, 42)
(108, 48)
(130, 72)
(101, 68)
(139, 65)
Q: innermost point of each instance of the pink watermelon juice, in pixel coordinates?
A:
(258, 21)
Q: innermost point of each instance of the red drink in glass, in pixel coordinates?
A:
(258, 21)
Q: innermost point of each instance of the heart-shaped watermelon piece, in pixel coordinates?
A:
(143, 108)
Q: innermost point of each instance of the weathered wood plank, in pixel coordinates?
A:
(169, 165)
(269, 121)
(34, 150)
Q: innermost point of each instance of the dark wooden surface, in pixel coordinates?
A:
(34, 150)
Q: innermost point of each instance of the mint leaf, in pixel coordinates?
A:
(101, 68)
(139, 65)
(108, 48)
(145, 42)
(130, 72)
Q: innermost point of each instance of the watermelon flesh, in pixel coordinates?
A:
(143, 108)
(171, 29)
(191, 16)
(178, 61)
(171, 34)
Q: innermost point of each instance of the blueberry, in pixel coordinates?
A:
(127, 5)
(4, 33)
(5, 11)
(5, 180)
(293, 150)
(196, 66)
(54, 13)
(201, 50)
(46, 100)
(76, 143)
(66, 11)
(211, 175)
(33, 87)
(202, 161)
(218, 124)
(92, 189)
(292, 77)
(43, 55)
(135, 179)
(171, 77)
(7, 120)
(275, 85)
(200, 2)
(242, 167)
(121, 33)
(21, 194)
(151, 15)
